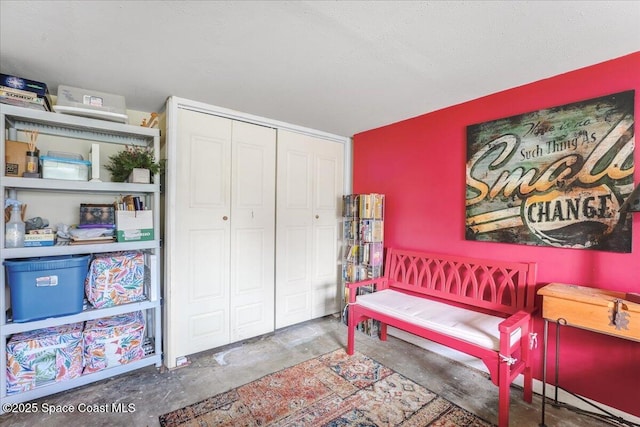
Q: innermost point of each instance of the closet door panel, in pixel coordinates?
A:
(327, 205)
(253, 181)
(293, 298)
(207, 164)
(297, 184)
(251, 295)
(309, 189)
(200, 273)
(327, 183)
(293, 233)
(325, 274)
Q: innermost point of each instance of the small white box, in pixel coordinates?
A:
(91, 103)
(132, 226)
(61, 168)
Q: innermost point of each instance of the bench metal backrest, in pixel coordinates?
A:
(499, 286)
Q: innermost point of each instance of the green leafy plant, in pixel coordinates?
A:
(122, 163)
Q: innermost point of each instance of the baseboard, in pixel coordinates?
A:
(475, 363)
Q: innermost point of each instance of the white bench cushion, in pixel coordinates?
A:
(468, 325)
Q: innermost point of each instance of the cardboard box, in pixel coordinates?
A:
(15, 157)
(133, 226)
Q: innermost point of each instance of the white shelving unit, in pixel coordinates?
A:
(85, 131)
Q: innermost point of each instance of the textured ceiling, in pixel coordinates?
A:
(337, 66)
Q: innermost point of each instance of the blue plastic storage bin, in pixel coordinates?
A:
(46, 287)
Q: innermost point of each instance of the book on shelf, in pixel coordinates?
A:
(365, 206)
(378, 206)
(371, 254)
(29, 237)
(39, 238)
(350, 231)
(92, 241)
(46, 230)
(350, 206)
(36, 105)
(23, 98)
(17, 93)
(371, 230)
(353, 272)
(371, 205)
(351, 253)
(369, 327)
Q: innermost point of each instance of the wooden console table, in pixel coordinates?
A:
(597, 310)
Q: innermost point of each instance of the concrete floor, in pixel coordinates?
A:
(152, 393)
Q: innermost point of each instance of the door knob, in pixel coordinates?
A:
(317, 216)
(225, 217)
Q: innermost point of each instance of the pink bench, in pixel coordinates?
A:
(480, 307)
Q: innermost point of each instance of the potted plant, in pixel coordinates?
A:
(123, 163)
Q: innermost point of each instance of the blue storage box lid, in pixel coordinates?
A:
(48, 263)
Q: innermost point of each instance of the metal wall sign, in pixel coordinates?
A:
(553, 177)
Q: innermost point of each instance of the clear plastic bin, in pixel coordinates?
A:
(65, 168)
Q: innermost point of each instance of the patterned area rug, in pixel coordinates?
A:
(331, 390)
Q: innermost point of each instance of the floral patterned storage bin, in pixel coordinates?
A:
(113, 341)
(43, 355)
(115, 278)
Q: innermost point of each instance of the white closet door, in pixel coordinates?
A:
(199, 282)
(253, 187)
(293, 229)
(327, 212)
(309, 189)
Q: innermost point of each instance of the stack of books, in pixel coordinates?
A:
(24, 93)
(41, 237)
(371, 205)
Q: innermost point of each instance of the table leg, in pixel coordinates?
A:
(544, 371)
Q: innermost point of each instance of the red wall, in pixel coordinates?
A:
(419, 164)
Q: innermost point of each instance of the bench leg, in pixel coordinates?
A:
(503, 395)
(528, 385)
(351, 328)
(383, 331)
